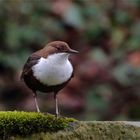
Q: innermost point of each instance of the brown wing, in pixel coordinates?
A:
(32, 60)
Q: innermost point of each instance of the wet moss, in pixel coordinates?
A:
(13, 123)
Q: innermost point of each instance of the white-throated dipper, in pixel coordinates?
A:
(49, 70)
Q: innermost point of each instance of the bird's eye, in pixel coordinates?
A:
(59, 48)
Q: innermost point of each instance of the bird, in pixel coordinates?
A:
(49, 70)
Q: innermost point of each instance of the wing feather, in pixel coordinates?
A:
(32, 60)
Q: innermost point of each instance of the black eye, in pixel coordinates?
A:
(59, 48)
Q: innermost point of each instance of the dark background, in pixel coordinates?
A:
(106, 85)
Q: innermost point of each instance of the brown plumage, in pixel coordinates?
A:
(32, 82)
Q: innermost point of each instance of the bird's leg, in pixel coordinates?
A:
(36, 103)
(56, 105)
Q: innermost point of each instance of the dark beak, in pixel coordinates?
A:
(73, 51)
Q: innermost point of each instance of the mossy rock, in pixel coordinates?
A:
(13, 123)
(91, 131)
(38, 126)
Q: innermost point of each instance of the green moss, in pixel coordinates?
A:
(25, 123)
(34, 126)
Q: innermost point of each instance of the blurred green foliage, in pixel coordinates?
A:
(110, 30)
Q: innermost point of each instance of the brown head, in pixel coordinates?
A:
(56, 47)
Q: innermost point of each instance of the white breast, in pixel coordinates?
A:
(55, 69)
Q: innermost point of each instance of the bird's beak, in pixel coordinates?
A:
(73, 51)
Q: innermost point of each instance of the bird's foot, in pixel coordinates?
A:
(57, 115)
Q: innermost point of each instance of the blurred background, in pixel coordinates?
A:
(106, 85)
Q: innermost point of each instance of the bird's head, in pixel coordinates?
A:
(61, 47)
(56, 50)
